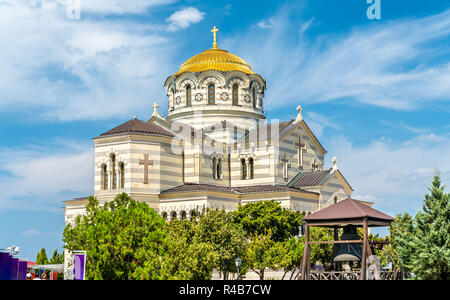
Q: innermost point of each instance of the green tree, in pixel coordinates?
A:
(227, 239)
(122, 238)
(424, 247)
(260, 217)
(41, 258)
(264, 253)
(291, 256)
(321, 253)
(185, 257)
(57, 258)
(389, 252)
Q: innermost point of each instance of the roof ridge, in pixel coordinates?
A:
(139, 126)
(355, 204)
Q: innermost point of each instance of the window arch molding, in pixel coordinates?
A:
(210, 77)
(236, 77)
(181, 86)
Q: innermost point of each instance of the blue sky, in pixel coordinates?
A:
(375, 92)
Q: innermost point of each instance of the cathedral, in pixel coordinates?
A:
(215, 149)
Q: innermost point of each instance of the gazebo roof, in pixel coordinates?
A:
(348, 211)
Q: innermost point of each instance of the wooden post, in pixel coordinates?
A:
(305, 260)
(364, 254)
(335, 247)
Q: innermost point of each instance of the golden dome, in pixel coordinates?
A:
(215, 59)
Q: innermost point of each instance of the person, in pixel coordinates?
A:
(44, 276)
(29, 277)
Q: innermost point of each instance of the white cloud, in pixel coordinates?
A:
(119, 6)
(57, 68)
(265, 24)
(31, 232)
(401, 65)
(393, 175)
(184, 18)
(40, 178)
(319, 122)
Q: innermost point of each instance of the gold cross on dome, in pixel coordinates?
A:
(214, 31)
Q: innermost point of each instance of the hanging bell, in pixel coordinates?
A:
(346, 252)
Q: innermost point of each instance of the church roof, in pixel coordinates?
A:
(137, 126)
(347, 209)
(193, 187)
(309, 178)
(257, 134)
(267, 188)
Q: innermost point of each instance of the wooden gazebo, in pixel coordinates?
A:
(344, 213)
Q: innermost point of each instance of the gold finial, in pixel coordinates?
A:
(214, 30)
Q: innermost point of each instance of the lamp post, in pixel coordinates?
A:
(238, 262)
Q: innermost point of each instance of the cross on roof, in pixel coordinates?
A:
(301, 146)
(214, 31)
(146, 162)
(155, 109)
(155, 106)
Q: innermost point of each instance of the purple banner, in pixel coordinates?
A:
(79, 263)
(14, 268)
(22, 273)
(5, 265)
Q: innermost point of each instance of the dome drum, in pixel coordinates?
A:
(218, 85)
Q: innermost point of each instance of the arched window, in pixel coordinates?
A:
(254, 97)
(104, 177)
(252, 168)
(211, 94)
(219, 168)
(183, 215)
(188, 96)
(174, 216)
(164, 215)
(122, 175)
(214, 167)
(235, 96)
(243, 169)
(113, 172)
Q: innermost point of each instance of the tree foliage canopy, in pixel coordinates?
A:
(41, 257)
(260, 217)
(126, 239)
(123, 239)
(424, 244)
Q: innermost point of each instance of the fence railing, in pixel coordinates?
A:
(351, 275)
